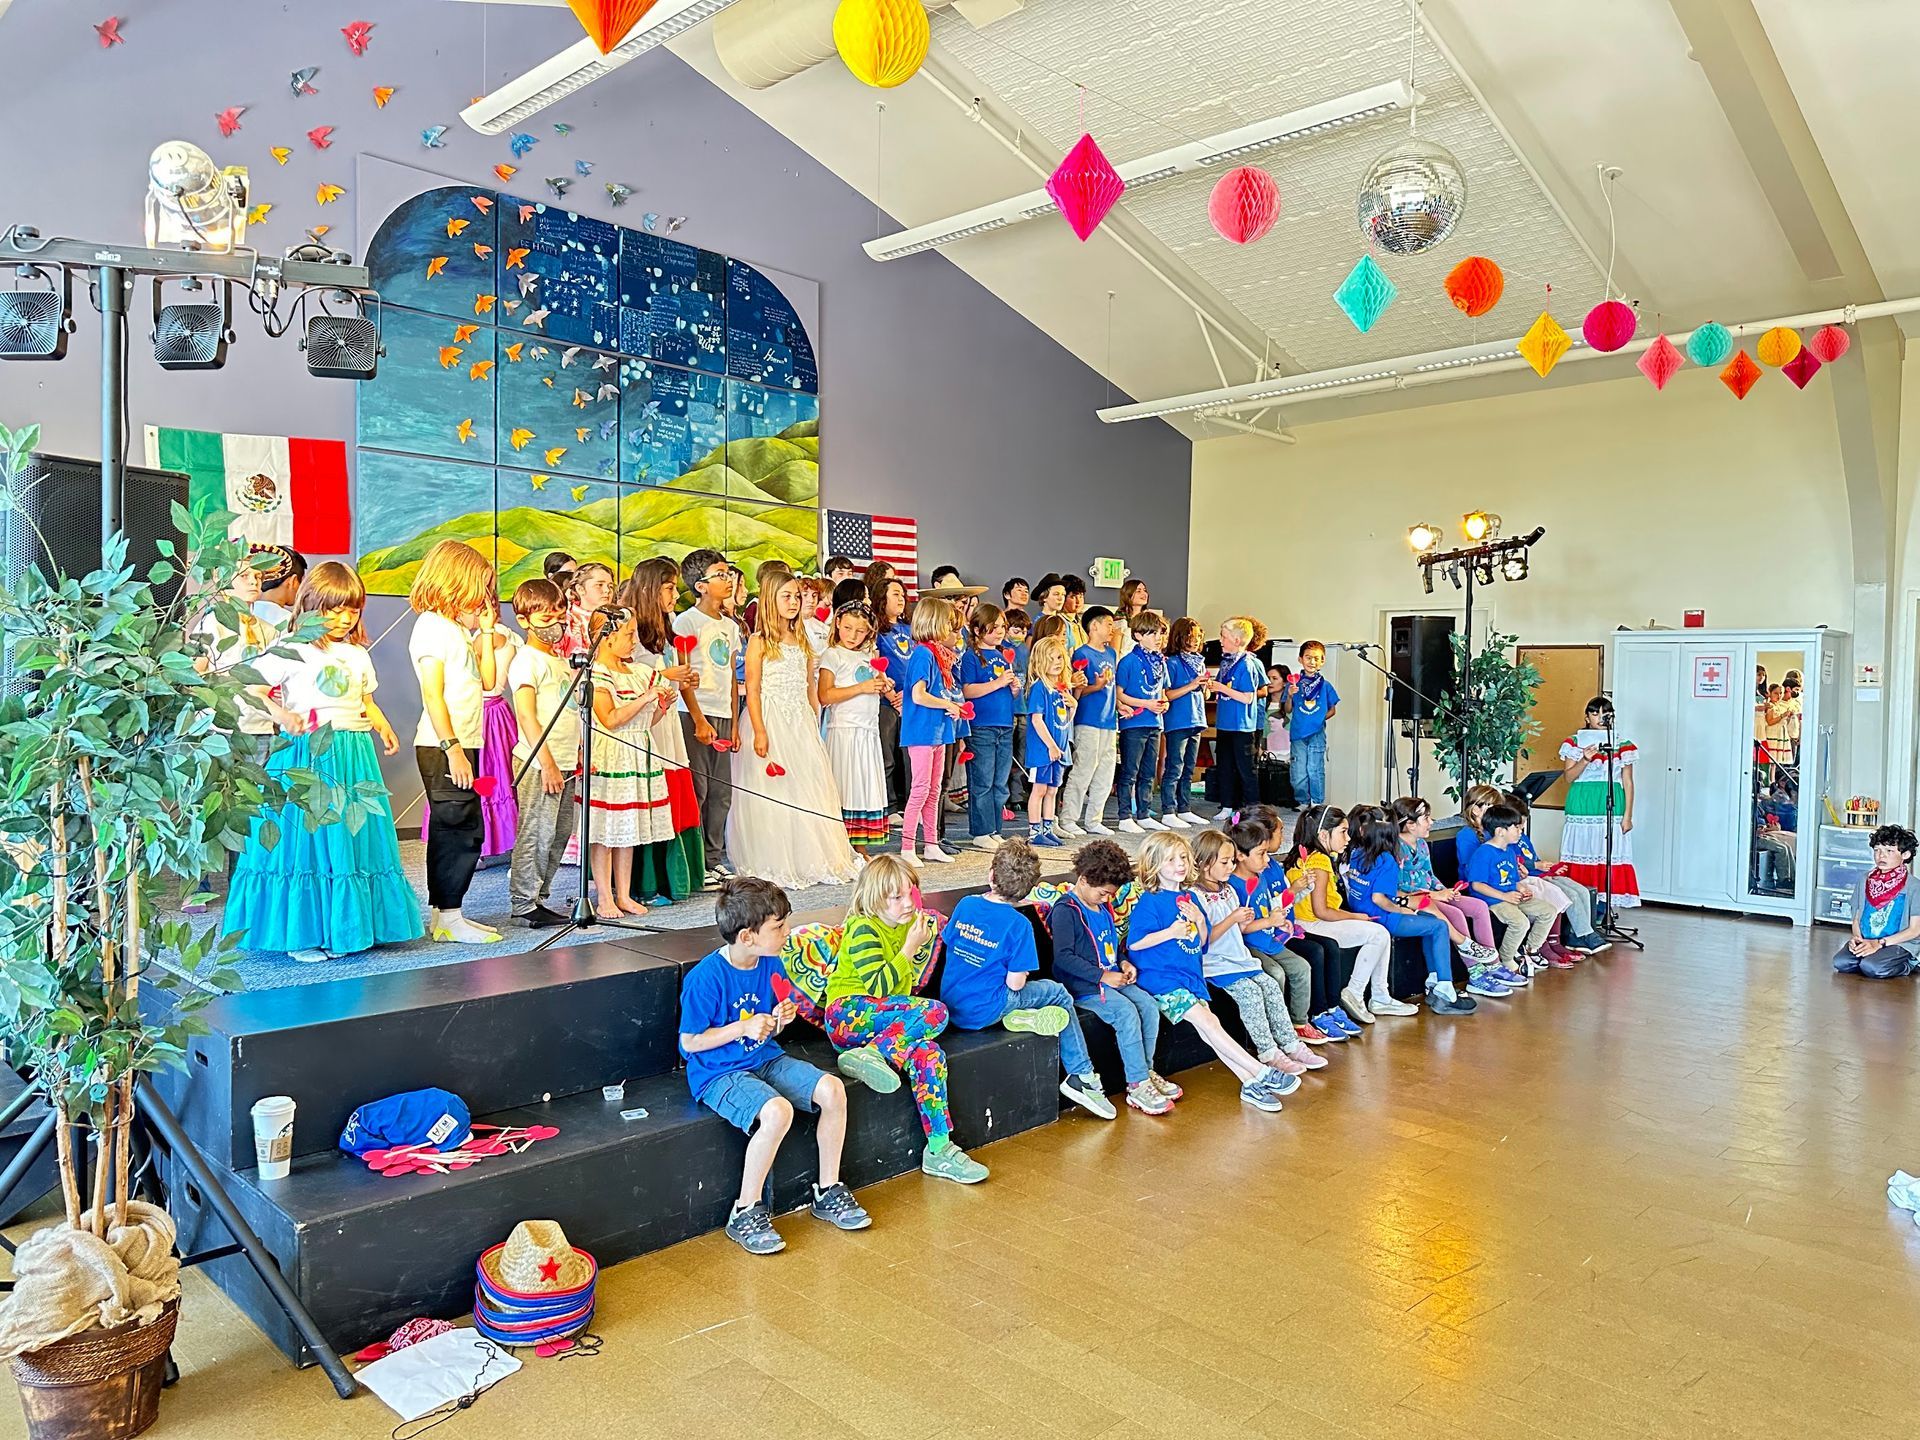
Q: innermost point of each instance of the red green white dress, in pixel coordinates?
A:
(1583, 839)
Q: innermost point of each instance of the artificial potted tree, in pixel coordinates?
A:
(1487, 720)
(118, 780)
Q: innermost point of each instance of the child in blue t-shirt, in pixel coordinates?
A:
(733, 1004)
(928, 723)
(1494, 874)
(1310, 703)
(1166, 937)
(1096, 722)
(1374, 888)
(1049, 736)
(1284, 950)
(1886, 924)
(990, 682)
(1186, 718)
(1237, 689)
(987, 977)
(1143, 704)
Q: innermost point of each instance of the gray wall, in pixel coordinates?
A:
(937, 400)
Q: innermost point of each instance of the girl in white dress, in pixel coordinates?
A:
(850, 687)
(627, 791)
(784, 823)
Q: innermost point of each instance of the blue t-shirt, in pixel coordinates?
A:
(1364, 881)
(925, 724)
(992, 711)
(1242, 672)
(1022, 653)
(986, 942)
(1096, 707)
(1466, 840)
(1143, 675)
(1311, 697)
(1188, 711)
(1491, 865)
(1172, 964)
(1052, 712)
(1877, 922)
(896, 643)
(1259, 896)
(718, 992)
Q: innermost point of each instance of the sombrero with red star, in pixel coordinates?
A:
(534, 1287)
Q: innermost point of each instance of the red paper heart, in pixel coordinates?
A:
(313, 719)
(965, 756)
(822, 613)
(721, 744)
(379, 1350)
(547, 1349)
(776, 771)
(1009, 654)
(966, 710)
(685, 644)
(485, 785)
(541, 1132)
(782, 989)
(880, 663)
(1080, 664)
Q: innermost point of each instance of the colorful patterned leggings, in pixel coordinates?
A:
(901, 1028)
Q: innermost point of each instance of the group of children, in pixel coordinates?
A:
(1295, 930)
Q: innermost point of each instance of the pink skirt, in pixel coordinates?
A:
(499, 808)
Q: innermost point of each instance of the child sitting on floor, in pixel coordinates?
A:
(988, 978)
(1165, 938)
(729, 1024)
(1086, 959)
(1230, 966)
(1885, 921)
(878, 1024)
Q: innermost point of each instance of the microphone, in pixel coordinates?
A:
(615, 614)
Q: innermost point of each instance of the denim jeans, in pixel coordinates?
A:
(1309, 767)
(1037, 995)
(1176, 785)
(987, 772)
(1436, 945)
(1134, 1017)
(1136, 773)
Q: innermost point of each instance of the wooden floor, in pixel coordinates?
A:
(1645, 1199)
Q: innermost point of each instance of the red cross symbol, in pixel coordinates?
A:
(1712, 672)
(550, 1269)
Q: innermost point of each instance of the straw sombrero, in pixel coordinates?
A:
(536, 1263)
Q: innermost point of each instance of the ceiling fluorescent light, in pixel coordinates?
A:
(580, 64)
(1301, 124)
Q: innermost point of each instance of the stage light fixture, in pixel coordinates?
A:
(1514, 567)
(1483, 573)
(1478, 525)
(1423, 538)
(192, 203)
(1453, 574)
(35, 324)
(192, 335)
(343, 347)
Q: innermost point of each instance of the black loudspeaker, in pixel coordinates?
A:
(1420, 656)
(59, 498)
(34, 324)
(342, 347)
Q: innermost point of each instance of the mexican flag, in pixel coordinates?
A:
(282, 491)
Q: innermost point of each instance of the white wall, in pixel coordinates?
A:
(1654, 503)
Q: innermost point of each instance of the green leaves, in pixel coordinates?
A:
(1490, 714)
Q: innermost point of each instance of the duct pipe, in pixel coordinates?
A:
(1435, 367)
(762, 42)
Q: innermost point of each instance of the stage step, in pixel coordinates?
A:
(498, 1032)
(365, 1253)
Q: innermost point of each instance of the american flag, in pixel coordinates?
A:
(866, 538)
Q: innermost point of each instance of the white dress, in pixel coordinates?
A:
(786, 828)
(627, 791)
(853, 744)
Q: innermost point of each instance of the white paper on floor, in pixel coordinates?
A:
(421, 1378)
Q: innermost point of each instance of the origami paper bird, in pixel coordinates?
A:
(560, 128)
(566, 355)
(583, 167)
(455, 225)
(518, 438)
(526, 213)
(528, 280)
(301, 82)
(321, 136)
(436, 265)
(579, 492)
(359, 35)
(281, 154)
(618, 193)
(520, 143)
(481, 252)
(463, 333)
(511, 304)
(517, 256)
(480, 369)
(109, 32)
(553, 455)
(229, 119)
(482, 304)
(603, 362)
(464, 430)
(580, 399)
(506, 171)
(580, 433)
(559, 185)
(258, 214)
(608, 391)
(513, 350)
(540, 481)
(382, 94)
(449, 356)
(327, 194)
(482, 203)
(434, 137)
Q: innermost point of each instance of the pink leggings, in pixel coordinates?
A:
(923, 798)
(1468, 914)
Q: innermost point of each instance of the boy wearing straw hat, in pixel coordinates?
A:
(729, 1021)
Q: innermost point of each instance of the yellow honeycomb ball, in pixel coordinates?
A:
(1777, 346)
(883, 42)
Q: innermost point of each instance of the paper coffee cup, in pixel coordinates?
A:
(273, 1136)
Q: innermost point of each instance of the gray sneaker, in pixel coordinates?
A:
(838, 1208)
(1259, 1094)
(1085, 1091)
(1279, 1081)
(950, 1162)
(865, 1064)
(752, 1230)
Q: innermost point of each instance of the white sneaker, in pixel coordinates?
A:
(1094, 827)
(1131, 826)
(1149, 823)
(937, 856)
(988, 843)
(1194, 818)
(1171, 821)
(910, 860)
(308, 957)
(456, 929)
(1387, 1005)
(1067, 827)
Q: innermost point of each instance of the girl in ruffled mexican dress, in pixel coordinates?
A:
(674, 868)
(1583, 839)
(627, 801)
(319, 894)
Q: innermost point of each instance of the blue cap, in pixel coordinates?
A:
(419, 1117)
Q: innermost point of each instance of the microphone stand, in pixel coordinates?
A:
(1610, 927)
(1359, 651)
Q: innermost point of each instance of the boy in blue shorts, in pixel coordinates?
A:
(987, 979)
(729, 1018)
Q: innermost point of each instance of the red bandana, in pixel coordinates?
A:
(1883, 885)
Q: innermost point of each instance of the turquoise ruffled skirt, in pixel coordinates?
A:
(324, 889)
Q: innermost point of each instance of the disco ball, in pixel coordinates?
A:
(1412, 197)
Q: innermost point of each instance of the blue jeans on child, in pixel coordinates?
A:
(987, 774)
(1134, 1017)
(1176, 783)
(1037, 995)
(1309, 767)
(1436, 941)
(1136, 773)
